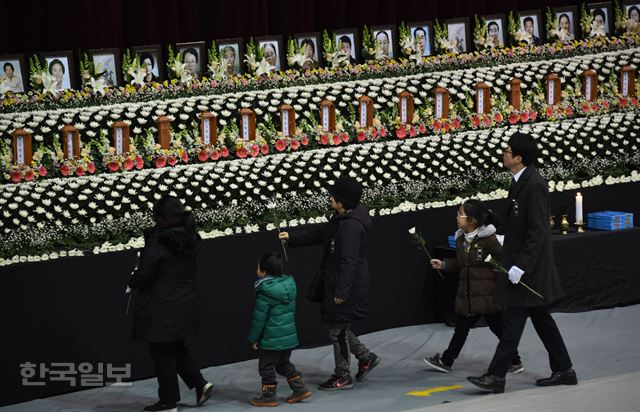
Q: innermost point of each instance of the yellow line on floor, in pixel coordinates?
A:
(428, 392)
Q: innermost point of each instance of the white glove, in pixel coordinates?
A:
(515, 273)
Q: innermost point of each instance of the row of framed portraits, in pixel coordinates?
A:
(231, 51)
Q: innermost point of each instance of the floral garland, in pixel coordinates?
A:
(459, 83)
(137, 91)
(42, 215)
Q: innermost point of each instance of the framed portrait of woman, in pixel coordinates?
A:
(385, 38)
(632, 10)
(194, 57)
(421, 33)
(603, 18)
(231, 52)
(310, 44)
(567, 20)
(14, 72)
(496, 26)
(348, 41)
(150, 58)
(273, 51)
(531, 23)
(61, 66)
(106, 63)
(459, 31)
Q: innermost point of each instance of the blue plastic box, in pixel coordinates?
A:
(609, 220)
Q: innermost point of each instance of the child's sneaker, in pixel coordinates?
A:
(436, 363)
(515, 368)
(336, 383)
(364, 367)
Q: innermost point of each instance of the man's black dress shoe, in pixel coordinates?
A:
(559, 378)
(488, 382)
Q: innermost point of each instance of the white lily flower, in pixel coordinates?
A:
(98, 85)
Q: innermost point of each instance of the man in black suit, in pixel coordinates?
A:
(528, 254)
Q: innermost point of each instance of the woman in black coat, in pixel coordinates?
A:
(166, 307)
(343, 278)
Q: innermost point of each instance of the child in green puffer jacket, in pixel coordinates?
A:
(273, 330)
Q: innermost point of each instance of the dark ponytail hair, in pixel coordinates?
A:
(477, 210)
(177, 227)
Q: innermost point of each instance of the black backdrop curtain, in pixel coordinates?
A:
(48, 25)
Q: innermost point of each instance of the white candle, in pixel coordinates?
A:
(579, 217)
(480, 104)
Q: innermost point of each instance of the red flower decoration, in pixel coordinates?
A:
(383, 132)
(113, 166)
(224, 152)
(172, 160)
(91, 167)
(30, 175)
(324, 139)
(497, 117)
(623, 102)
(139, 162)
(203, 155)
(447, 127)
(42, 171)
(128, 164)
(374, 132)
(486, 121)
(569, 111)
(475, 121)
(242, 153)
(161, 161)
(513, 118)
(401, 132)
(255, 150)
(413, 131)
(15, 176)
(184, 157)
(345, 137)
(264, 149)
(80, 171)
(64, 170)
(533, 115)
(422, 128)
(361, 137)
(549, 111)
(437, 125)
(215, 155)
(336, 139)
(280, 145)
(455, 124)
(295, 145)
(304, 140)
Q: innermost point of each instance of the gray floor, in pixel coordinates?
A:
(603, 344)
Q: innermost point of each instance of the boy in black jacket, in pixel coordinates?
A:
(344, 278)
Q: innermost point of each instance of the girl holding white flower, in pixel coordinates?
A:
(475, 240)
